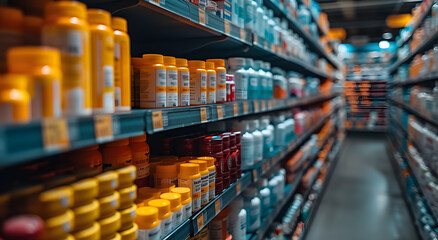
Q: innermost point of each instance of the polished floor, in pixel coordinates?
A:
(363, 200)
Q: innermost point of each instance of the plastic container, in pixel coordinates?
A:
(204, 180)
(129, 234)
(253, 79)
(127, 176)
(247, 144)
(84, 191)
(52, 202)
(127, 216)
(171, 82)
(211, 82)
(88, 157)
(58, 227)
(85, 215)
(184, 82)
(258, 140)
(117, 153)
(148, 223)
(270, 80)
(127, 196)
(265, 197)
(109, 205)
(198, 83)
(175, 208)
(217, 228)
(189, 176)
(211, 176)
(108, 182)
(42, 66)
(109, 226)
(237, 219)
(14, 99)
(152, 82)
(122, 65)
(165, 175)
(253, 207)
(221, 78)
(11, 28)
(90, 233)
(212, 146)
(186, 201)
(164, 215)
(26, 227)
(231, 88)
(140, 159)
(66, 28)
(263, 79)
(237, 68)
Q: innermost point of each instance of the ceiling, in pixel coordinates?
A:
(364, 17)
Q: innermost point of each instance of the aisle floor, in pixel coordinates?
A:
(363, 199)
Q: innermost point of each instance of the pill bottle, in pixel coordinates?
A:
(129, 234)
(84, 191)
(189, 176)
(85, 215)
(198, 83)
(59, 226)
(14, 99)
(211, 82)
(172, 97)
(186, 201)
(204, 180)
(265, 196)
(152, 84)
(164, 215)
(127, 196)
(211, 176)
(217, 228)
(258, 140)
(237, 68)
(253, 79)
(212, 146)
(221, 79)
(88, 157)
(268, 136)
(252, 206)
(109, 226)
(42, 66)
(184, 82)
(237, 219)
(109, 205)
(122, 65)
(107, 182)
(140, 159)
(66, 28)
(231, 88)
(116, 153)
(270, 81)
(28, 227)
(187, 146)
(148, 223)
(11, 32)
(165, 175)
(52, 202)
(247, 144)
(92, 232)
(175, 208)
(234, 155)
(239, 153)
(226, 160)
(102, 60)
(127, 217)
(263, 79)
(127, 176)
(136, 65)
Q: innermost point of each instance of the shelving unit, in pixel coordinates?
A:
(423, 115)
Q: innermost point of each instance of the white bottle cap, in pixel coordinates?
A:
(249, 62)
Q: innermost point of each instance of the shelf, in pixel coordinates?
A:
(414, 81)
(82, 132)
(421, 48)
(208, 212)
(411, 110)
(374, 130)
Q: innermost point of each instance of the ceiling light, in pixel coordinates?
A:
(387, 35)
(384, 44)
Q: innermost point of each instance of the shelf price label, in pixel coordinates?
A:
(237, 188)
(270, 104)
(220, 113)
(236, 109)
(217, 206)
(202, 17)
(227, 26)
(256, 106)
(157, 120)
(103, 128)
(263, 105)
(256, 38)
(200, 221)
(203, 115)
(242, 34)
(157, 2)
(245, 107)
(254, 174)
(55, 134)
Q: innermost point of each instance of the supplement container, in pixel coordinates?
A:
(198, 83)
(11, 32)
(258, 140)
(152, 84)
(211, 82)
(122, 65)
(188, 146)
(239, 154)
(108, 182)
(129, 234)
(237, 219)
(265, 196)
(226, 160)
(217, 228)
(109, 205)
(263, 79)
(175, 208)
(221, 79)
(140, 159)
(58, 227)
(42, 66)
(253, 79)
(233, 155)
(148, 223)
(186, 201)
(164, 215)
(84, 191)
(127, 196)
(172, 97)
(184, 82)
(190, 177)
(109, 226)
(88, 157)
(211, 176)
(52, 202)
(85, 215)
(127, 176)
(29, 227)
(231, 88)
(247, 144)
(117, 153)
(92, 232)
(127, 217)
(204, 180)
(252, 206)
(14, 99)
(237, 68)
(66, 28)
(212, 146)
(270, 86)
(165, 175)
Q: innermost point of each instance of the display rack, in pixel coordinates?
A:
(423, 115)
(414, 81)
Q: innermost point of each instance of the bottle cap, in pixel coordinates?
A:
(181, 62)
(118, 23)
(23, 58)
(196, 64)
(56, 9)
(202, 164)
(139, 138)
(99, 16)
(217, 62)
(109, 225)
(84, 191)
(185, 194)
(109, 204)
(85, 215)
(23, 227)
(17, 81)
(127, 196)
(165, 170)
(127, 217)
(116, 237)
(188, 169)
(90, 233)
(130, 234)
(174, 199)
(147, 217)
(169, 61)
(163, 207)
(209, 65)
(53, 202)
(210, 161)
(11, 19)
(127, 176)
(249, 62)
(58, 227)
(153, 58)
(108, 182)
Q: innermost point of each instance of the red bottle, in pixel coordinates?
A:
(212, 146)
(23, 227)
(239, 154)
(226, 164)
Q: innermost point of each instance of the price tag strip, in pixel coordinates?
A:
(254, 174)
(202, 17)
(217, 205)
(227, 27)
(245, 108)
(103, 128)
(256, 106)
(55, 134)
(203, 112)
(242, 34)
(157, 120)
(220, 113)
(236, 109)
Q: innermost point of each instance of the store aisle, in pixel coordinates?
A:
(363, 199)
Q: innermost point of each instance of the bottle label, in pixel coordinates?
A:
(221, 91)
(172, 88)
(164, 182)
(166, 226)
(211, 88)
(198, 88)
(187, 211)
(177, 217)
(241, 86)
(152, 95)
(184, 86)
(149, 234)
(212, 183)
(195, 187)
(247, 153)
(204, 189)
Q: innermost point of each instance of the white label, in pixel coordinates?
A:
(203, 85)
(161, 82)
(108, 76)
(108, 101)
(142, 171)
(172, 81)
(177, 218)
(212, 182)
(254, 82)
(164, 182)
(204, 185)
(116, 51)
(221, 93)
(184, 82)
(195, 187)
(241, 86)
(149, 234)
(187, 211)
(74, 101)
(247, 154)
(117, 96)
(166, 226)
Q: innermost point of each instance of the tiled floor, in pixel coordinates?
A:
(363, 201)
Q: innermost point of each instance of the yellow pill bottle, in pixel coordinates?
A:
(171, 82)
(211, 82)
(183, 82)
(14, 99)
(198, 83)
(221, 79)
(190, 177)
(148, 223)
(152, 84)
(66, 28)
(204, 180)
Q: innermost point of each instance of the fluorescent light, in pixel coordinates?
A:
(384, 44)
